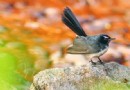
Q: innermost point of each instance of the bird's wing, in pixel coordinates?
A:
(70, 20)
(80, 46)
(76, 50)
(84, 45)
(82, 49)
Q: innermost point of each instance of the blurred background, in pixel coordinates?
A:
(33, 38)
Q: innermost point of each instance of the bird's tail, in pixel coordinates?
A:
(70, 20)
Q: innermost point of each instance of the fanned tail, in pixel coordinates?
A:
(70, 20)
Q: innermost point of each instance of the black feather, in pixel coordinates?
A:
(70, 20)
(70, 25)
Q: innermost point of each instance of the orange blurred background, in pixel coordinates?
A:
(36, 27)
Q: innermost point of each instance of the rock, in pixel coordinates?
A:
(110, 76)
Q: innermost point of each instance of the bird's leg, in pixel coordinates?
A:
(94, 63)
(100, 61)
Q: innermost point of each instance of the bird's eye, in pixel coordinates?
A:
(105, 37)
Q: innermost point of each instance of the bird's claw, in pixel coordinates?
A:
(93, 63)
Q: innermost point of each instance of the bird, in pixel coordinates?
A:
(91, 46)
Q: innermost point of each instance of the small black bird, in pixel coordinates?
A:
(90, 46)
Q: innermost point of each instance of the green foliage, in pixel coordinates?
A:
(9, 77)
(17, 61)
(16, 45)
(16, 65)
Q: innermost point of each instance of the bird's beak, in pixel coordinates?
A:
(112, 39)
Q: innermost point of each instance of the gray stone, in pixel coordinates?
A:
(110, 76)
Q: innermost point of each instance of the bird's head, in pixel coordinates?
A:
(105, 39)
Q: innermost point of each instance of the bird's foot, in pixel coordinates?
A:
(93, 63)
(100, 61)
